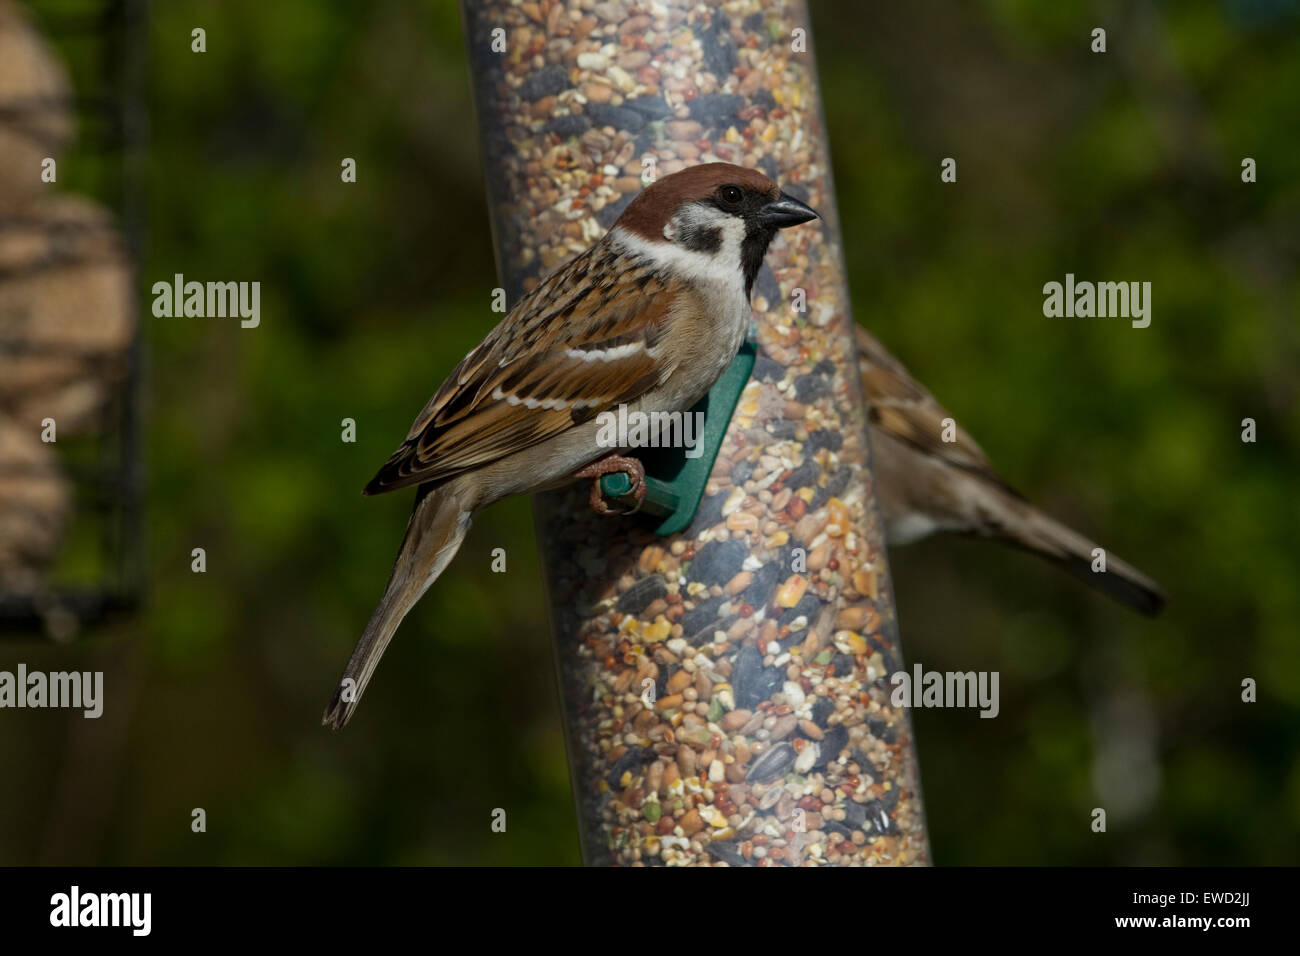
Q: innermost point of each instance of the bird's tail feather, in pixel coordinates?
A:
(434, 534)
(1123, 582)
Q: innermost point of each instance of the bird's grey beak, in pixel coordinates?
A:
(785, 211)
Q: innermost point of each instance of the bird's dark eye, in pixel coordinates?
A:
(730, 195)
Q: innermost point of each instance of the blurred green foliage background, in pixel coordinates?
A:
(1123, 165)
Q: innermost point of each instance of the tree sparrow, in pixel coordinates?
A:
(649, 316)
(926, 484)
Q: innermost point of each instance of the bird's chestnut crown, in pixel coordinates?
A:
(726, 213)
(666, 210)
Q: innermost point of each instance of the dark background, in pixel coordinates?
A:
(1122, 166)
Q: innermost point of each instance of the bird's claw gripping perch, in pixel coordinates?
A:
(608, 466)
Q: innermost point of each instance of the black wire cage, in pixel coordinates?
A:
(98, 567)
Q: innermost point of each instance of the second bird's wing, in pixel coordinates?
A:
(902, 408)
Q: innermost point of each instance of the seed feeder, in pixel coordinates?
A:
(724, 663)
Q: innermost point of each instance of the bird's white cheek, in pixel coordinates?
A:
(733, 236)
(714, 272)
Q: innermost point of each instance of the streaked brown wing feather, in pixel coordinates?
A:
(902, 408)
(543, 368)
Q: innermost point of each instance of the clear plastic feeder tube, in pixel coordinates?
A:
(726, 690)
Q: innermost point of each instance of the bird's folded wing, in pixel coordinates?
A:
(902, 408)
(582, 343)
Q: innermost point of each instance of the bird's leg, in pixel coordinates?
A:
(607, 466)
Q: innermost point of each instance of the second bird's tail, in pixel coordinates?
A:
(1046, 536)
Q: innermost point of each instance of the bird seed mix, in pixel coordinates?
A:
(727, 689)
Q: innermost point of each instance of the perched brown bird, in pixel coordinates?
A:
(649, 317)
(928, 485)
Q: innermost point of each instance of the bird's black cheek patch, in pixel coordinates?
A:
(702, 240)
